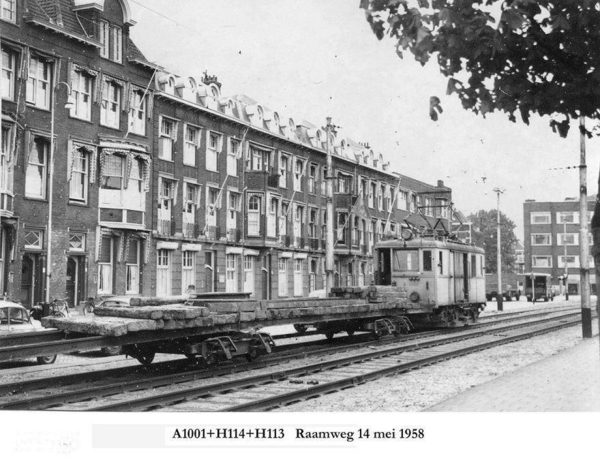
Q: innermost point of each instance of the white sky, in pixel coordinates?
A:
(310, 59)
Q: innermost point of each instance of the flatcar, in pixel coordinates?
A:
(442, 279)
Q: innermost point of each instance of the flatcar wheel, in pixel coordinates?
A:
(253, 354)
(146, 359)
(300, 328)
(350, 332)
(210, 359)
(329, 336)
(46, 359)
(190, 356)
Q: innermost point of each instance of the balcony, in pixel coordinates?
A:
(165, 227)
(299, 242)
(191, 230)
(234, 235)
(313, 243)
(212, 233)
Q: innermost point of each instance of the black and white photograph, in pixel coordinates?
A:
(299, 228)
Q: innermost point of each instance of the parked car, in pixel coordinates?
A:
(113, 301)
(15, 319)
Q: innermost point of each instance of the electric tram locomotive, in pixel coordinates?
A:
(443, 279)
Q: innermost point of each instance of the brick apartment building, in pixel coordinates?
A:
(159, 184)
(552, 237)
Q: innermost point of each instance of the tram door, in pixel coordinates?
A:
(385, 267)
(466, 276)
(459, 276)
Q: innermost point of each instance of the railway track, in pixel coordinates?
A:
(172, 387)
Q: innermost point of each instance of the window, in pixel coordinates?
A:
(570, 261)
(299, 166)
(541, 239)
(541, 261)
(77, 242)
(212, 195)
(133, 267)
(231, 281)
(259, 159)
(163, 272)
(283, 171)
(568, 239)
(283, 281)
(137, 112)
(234, 153)
(35, 182)
(540, 218)
(254, 209)
(344, 183)
(112, 172)
(82, 85)
(312, 178)
(380, 197)
(34, 239)
(427, 260)
(372, 194)
(283, 219)
(105, 265)
(233, 208)
(341, 227)
(191, 140)
(190, 204)
(166, 195)
(565, 217)
(312, 223)
(104, 39)
(298, 282)
(168, 135)
(39, 83)
(9, 10)
(249, 274)
(188, 271)
(111, 104)
(117, 44)
(215, 145)
(9, 68)
(6, 169)
(79, 176)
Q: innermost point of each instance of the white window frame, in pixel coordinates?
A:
(545, 215)
(546, 237)
(537, 259)
(39, 82)
(132, 282)
(9, 73)
(231, 273)
(560, 238)
(104, 38)
(283, 289)
(82, 96)
(110, 107)
(313, 172)
(137, 112)
(214, 146)
(167, 138)
(80, 172)
(117, 44)
(164, 274)
(233, 209)
(299, 166)
(560, 218)
(8, 12)
(188, 270)
(298, 279)
(105, 269)
(254, 213)
(284, 165)
(36, 165)
(190, 144)
(232, 156)
(572, 261)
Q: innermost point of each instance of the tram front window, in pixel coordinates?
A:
(406, 260)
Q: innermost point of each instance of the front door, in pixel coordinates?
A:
(75, 280)
(30, 280)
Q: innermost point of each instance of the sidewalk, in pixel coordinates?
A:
(566, 382)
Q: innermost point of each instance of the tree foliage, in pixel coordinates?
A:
(520, 57)
(484, 234)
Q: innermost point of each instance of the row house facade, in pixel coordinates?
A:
(160, 185)
(552, 242)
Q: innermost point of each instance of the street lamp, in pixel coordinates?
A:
(329, 243)
(499, 295)
(566, 275)
(70, 103)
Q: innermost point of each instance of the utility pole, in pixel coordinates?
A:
(565, 258)
(499, 295)
(329, 238)
(584, 247)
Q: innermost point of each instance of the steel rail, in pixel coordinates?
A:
(195, 392)
(318, 390)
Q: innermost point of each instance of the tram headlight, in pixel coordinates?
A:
(415, 297)
(407, 234)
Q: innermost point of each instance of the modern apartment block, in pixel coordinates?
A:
(552, 238)
(160, 184)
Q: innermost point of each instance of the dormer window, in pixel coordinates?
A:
(170, 86)
(111, 38)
